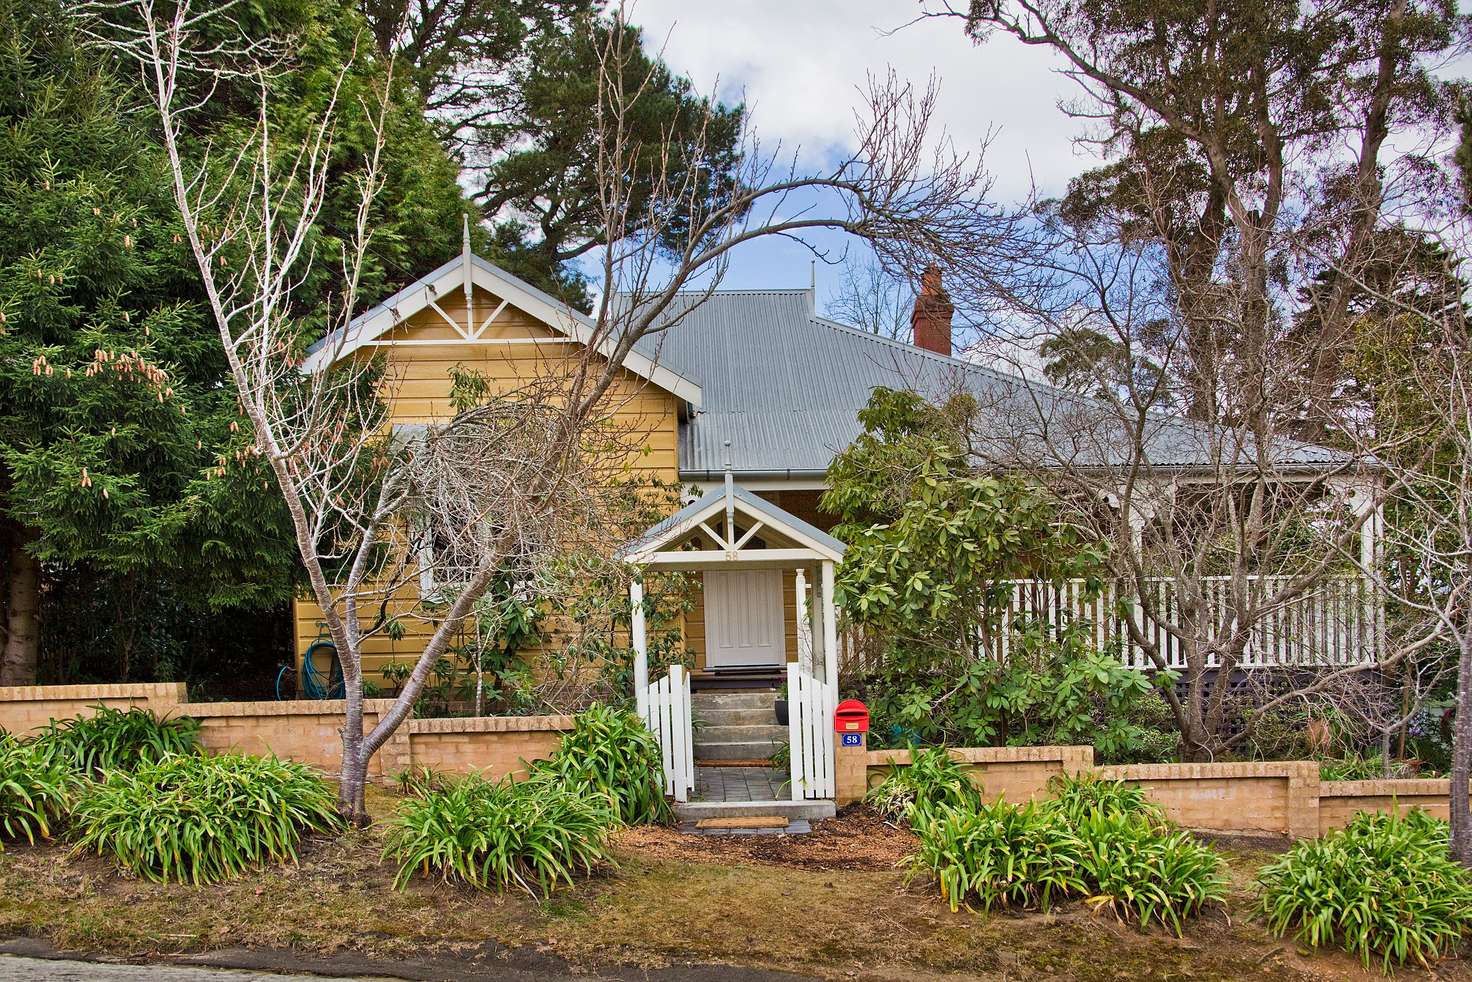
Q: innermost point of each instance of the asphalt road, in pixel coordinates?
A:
(18, 969)
(279, 965)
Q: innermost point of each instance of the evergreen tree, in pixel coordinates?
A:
(123, 469)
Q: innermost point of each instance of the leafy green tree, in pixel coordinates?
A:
(932, 545)
(119, 448)
(460, 53)
(932, 548)
(122, 459)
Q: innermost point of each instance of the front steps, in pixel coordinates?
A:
(696, 811)
(735, 725)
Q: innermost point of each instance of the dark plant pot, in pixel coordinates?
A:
(781, 707)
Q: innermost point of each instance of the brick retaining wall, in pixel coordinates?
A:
(1277, 797)
(1268, 797)
(305, 730)
(24, 708)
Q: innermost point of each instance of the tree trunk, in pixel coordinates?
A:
(353, 778)
(1461, 814)
(22, 614)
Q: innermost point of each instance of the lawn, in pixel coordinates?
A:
(832, 904)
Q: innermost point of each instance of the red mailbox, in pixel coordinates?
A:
(851, 716)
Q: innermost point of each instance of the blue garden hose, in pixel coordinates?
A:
(316, 684)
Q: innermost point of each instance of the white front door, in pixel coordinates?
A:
(743, 619)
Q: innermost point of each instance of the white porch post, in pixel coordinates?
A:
(640, 641)
(804, 621)
(830, 635)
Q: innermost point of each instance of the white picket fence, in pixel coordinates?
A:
(1338, 621)
(668, 717)
(810, 706)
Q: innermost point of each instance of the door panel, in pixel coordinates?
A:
(743, 619)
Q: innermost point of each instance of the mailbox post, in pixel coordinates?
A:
(851, 756)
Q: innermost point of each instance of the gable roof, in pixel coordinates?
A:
(783, 387)
(679, 526)
(371, 325)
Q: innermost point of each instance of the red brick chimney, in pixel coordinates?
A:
(931, 321)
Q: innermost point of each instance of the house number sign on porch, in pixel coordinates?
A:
(853, 739)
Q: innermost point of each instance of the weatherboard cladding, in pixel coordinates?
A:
(783, 387)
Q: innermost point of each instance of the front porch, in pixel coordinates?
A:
(766, 623)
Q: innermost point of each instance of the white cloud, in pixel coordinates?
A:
(801, 64)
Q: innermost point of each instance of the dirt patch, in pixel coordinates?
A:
(832, 904)
(857, 839)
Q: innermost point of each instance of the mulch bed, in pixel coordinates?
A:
(855, 839)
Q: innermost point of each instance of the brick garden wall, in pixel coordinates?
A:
(1271, 797)
(305, 730)
(1275, 797)
(24, 708)
(1015, 773)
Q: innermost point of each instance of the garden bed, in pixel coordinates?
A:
(831, 904)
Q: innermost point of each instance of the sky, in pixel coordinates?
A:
(800, 65)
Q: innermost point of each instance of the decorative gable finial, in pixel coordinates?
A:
(466, 275)
(730, 501)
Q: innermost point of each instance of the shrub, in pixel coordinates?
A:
(117, 739)
(932, 780)
(1144, 871)
(1099, 839)
(200, 819)
(1384, 887)
(610, 752)
(416, 782)
(999, 855)
(528, 834)
(35, 791)
(1077, 796)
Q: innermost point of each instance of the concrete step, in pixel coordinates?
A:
(736, 699)
(694, 811)
(740, 734)
(734, 750)
(797, 826)
(736, 717)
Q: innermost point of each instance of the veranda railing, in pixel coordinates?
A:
(1338, 620)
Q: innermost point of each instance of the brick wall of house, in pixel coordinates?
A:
(1275, 797)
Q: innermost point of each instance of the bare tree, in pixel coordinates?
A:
(871, 298)
(1418, 346)
(1246, 162)
(1231, 544)
(508, 483)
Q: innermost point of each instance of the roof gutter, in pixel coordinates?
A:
(790, 474)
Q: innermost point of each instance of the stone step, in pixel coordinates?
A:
(736, 699)
(695, 811)
(764, 716)
(740, 734)
(734, 750)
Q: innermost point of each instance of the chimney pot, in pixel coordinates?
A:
(931, 320)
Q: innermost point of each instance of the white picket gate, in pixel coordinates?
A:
(810, 705)
(667, 714)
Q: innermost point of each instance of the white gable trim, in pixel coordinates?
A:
(425, 293)
(651, 550)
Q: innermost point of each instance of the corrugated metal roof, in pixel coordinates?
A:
(784, 387)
